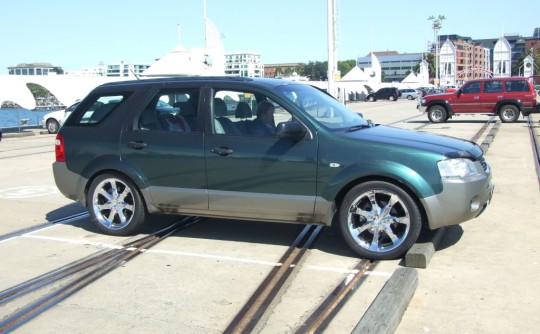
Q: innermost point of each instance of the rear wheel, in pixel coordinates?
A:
(508, 113)
(391, 98)
(115, 205)
(437, 114)
(52, 125)
(379, 220)
(410, 97)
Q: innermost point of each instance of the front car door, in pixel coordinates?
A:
(254, 175)
(467, 100)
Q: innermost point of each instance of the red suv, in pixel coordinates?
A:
(506, 97)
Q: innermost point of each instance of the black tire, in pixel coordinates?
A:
(437, 114)
(371, 98)
(410, 97)
(115, 205)
(508, 113)
(375, 229)
(392, 98)
(52, 126)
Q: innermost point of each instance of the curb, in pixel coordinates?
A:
(385, 312)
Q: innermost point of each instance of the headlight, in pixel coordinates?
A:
(457, 168)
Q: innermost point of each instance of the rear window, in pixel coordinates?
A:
(517, 86)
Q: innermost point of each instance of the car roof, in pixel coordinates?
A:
(198, 80)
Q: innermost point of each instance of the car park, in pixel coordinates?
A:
(169, 146)
(53, 121)
(409, 94)
(505, 97)
(385, 93)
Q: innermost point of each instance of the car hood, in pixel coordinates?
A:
(448, 146)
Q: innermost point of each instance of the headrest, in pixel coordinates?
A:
(220, 108)
(186, 108)
(243, 110)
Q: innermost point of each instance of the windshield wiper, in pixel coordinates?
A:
(358, 127)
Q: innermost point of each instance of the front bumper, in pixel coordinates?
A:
(460, 200)
(421, 108)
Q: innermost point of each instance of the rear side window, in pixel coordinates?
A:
(173, 110)
(493, 86)
(96, 111)
(517, 86)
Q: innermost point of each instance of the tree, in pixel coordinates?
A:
(345, 66)
(517, 69)
(315, 70)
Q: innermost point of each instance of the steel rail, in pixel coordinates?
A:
(103, 265)
(38, 227)
(252, 312)
(535, 146)
(321, 317)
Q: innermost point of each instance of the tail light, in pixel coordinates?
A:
(59, 149)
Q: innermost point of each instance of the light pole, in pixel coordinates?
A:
(437, 24)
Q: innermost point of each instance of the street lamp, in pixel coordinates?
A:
(437, 24)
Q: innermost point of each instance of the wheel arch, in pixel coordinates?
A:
(516, 103)
(442, 103)
(383, 178)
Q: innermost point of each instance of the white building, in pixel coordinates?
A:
(247, 64)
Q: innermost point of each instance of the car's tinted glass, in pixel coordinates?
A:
(172, 110)
(235, 113)
(471, 88)
(517, 86)
(98, 109)
(493, 86)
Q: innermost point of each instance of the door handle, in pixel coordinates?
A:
(138, 145)
(222, 151)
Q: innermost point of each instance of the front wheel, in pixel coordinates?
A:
(437, 114)
(410, 97)
(371, 98)
(115, 206)
(508, 113)
(379, 220)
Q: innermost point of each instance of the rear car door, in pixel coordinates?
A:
(492, 94)
(164, 146)
(256, 176)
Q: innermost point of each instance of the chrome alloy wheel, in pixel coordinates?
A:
(378, 221)
(113, 204)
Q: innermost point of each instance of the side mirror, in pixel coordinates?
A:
(290, 130)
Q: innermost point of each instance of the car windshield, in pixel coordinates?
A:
(322, 108)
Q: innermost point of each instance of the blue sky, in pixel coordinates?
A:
(76, 34)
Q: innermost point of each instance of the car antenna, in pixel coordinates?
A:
(135, 74)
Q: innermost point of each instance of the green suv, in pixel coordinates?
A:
(196, 146)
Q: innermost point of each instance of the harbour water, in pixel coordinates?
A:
(14, 117)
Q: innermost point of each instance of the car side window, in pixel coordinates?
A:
(243, 113)
(517, 86)
(493, 86)
(471, 88)
(170, 111)
(98, 109)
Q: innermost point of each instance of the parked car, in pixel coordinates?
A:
(53, 121)
(409, 94)
(123, 154)
(505, 97)
(386, 93)
(0, 134)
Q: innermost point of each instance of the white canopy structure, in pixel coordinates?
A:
(447, 59)
(502, 59)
